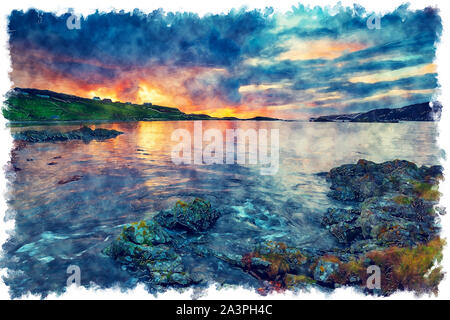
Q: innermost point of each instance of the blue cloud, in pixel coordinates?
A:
(110, 43)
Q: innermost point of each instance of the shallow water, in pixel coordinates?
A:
(132, 177)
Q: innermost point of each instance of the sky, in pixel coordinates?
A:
(292, 65)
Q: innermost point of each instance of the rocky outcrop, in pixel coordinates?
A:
(365, 179)
(396, 201)
(145, 246)
(389, 221)
(85, 134)
(155, 247)
(194, 217)
(392, 223)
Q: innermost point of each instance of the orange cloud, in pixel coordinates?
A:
(318, 49)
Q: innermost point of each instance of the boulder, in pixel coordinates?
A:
(324, 270)
(393, 204)
(155, 247)
(196, 216)
(365, 179)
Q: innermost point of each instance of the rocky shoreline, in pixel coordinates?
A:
(85, 134)
(387, 217)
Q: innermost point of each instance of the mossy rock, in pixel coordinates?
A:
(145, 233)
(196, 216)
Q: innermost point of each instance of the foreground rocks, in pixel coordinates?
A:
(389, 221)
(195, 217)
(394, 224)
(154, 247)
(395, 204)
(85, 134)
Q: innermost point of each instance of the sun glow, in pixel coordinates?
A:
(103, 93)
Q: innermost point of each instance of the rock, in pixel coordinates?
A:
(70, 179)
(323, 271)
(160, 261)
(274, 260)
(357, 182)
(85, 134)
(390, 223)
(145, 232)
(396, 204)
(345, 232)
(196, 216)
(235, 260)
(294, 281)
(258, 263)
(180, 278)
(156, 249)
(336, 215)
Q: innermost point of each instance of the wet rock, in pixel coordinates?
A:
(146, 249)
(396, 204)
(180, 278)
(70, 179)
(390, 223)
(345, 232)
(260, 264)
(365, 179)
(295, 281)
(156, 250)
(235, 260)
(196, 216)
(272, 261)
(336, 215)
(324, 270)
(85, 134)
(145, 232)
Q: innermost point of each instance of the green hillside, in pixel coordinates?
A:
(43, 105)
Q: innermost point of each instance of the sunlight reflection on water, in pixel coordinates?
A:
(132, 176)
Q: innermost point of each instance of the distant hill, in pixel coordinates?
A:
(44, 105)
(415, 112)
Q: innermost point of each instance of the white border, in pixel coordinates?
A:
(85, 7)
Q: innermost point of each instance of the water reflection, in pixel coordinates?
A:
(132, 176)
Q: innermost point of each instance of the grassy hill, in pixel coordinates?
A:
(44, 105)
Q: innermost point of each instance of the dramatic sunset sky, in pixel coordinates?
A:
(292, 65)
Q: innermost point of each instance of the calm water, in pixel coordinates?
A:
(132, 176)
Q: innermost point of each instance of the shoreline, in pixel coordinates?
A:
(393, 224)
(17, 124)
(12, 124)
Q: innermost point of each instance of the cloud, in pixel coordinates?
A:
(302, 62)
